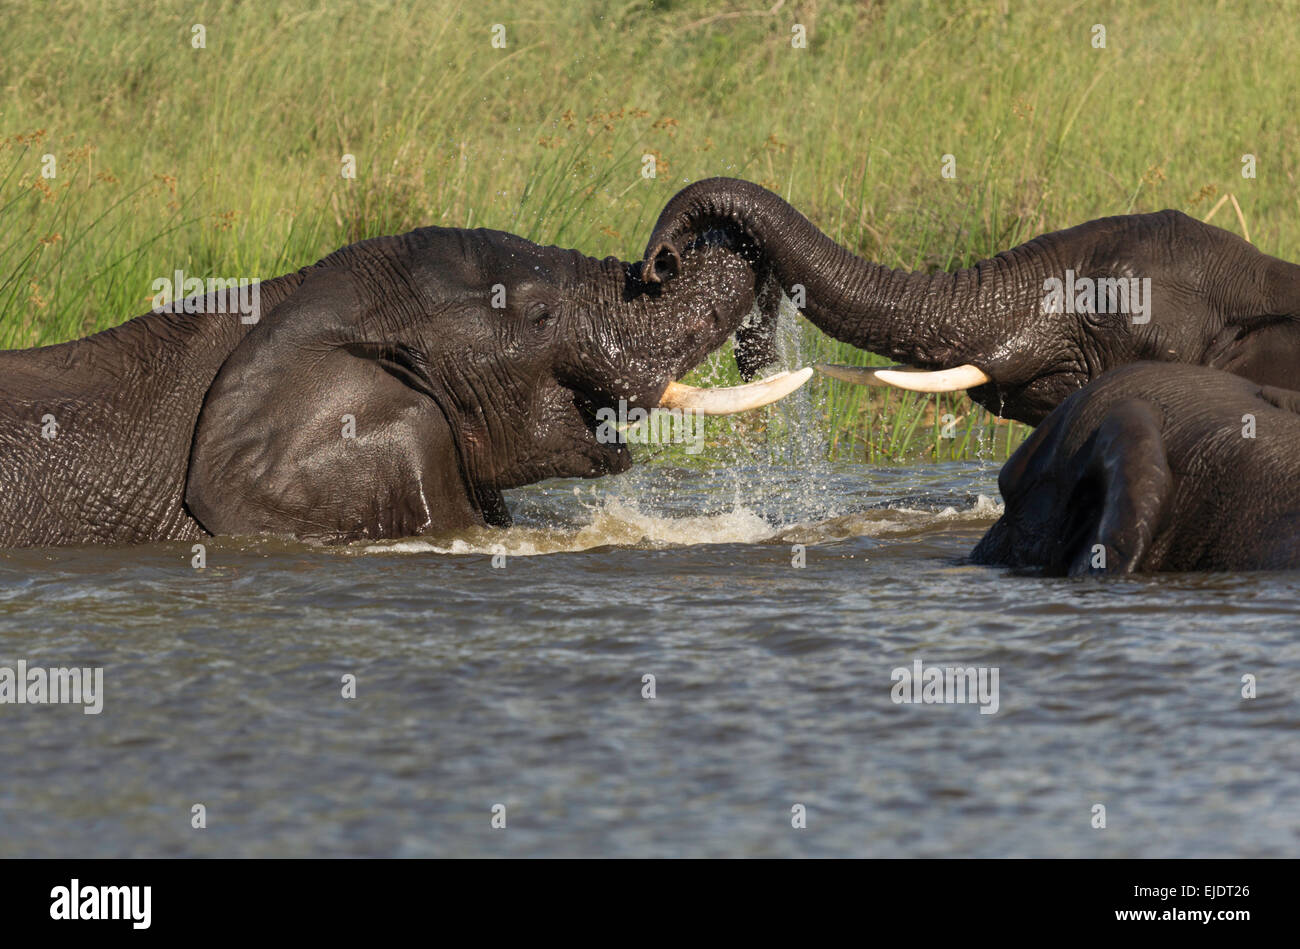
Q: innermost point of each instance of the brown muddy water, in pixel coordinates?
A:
(522, 685)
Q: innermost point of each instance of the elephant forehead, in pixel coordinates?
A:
(445, 262)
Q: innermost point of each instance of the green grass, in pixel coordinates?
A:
(225, 160)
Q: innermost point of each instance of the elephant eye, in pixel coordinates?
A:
(539, 314)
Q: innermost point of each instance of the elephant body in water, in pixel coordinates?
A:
(396, 387)
(1026, 328)
(1183, 450)
(1155, 467)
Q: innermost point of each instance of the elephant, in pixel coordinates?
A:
(1155, 467)
(395, 387)
(1021, 330)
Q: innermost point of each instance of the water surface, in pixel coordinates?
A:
(521, 685)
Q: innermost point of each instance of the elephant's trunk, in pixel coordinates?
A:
(926, 320)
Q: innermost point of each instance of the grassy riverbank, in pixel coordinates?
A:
(226, 160)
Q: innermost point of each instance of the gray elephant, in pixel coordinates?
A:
(1155, 467)
(1026, 328)
(396, 387)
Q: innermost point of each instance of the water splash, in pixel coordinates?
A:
(615, 521)
(764, 477)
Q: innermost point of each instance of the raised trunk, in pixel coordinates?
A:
(926, 320)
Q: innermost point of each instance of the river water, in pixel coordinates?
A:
(519, 680)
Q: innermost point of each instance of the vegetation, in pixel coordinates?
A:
(226, 160)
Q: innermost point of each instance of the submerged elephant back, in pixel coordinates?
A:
(1155, 466)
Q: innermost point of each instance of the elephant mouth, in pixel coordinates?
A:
(957, 379)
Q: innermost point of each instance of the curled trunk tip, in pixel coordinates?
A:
(662, 261)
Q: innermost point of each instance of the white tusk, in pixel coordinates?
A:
(733, 399)
(906, 377)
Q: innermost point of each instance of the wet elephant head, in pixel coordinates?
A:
(409, 380)
(1024, 329)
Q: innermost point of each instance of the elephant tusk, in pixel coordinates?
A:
(906, 377)
(733, 399)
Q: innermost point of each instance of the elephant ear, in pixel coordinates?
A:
(312, 431)
(1123, 491)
